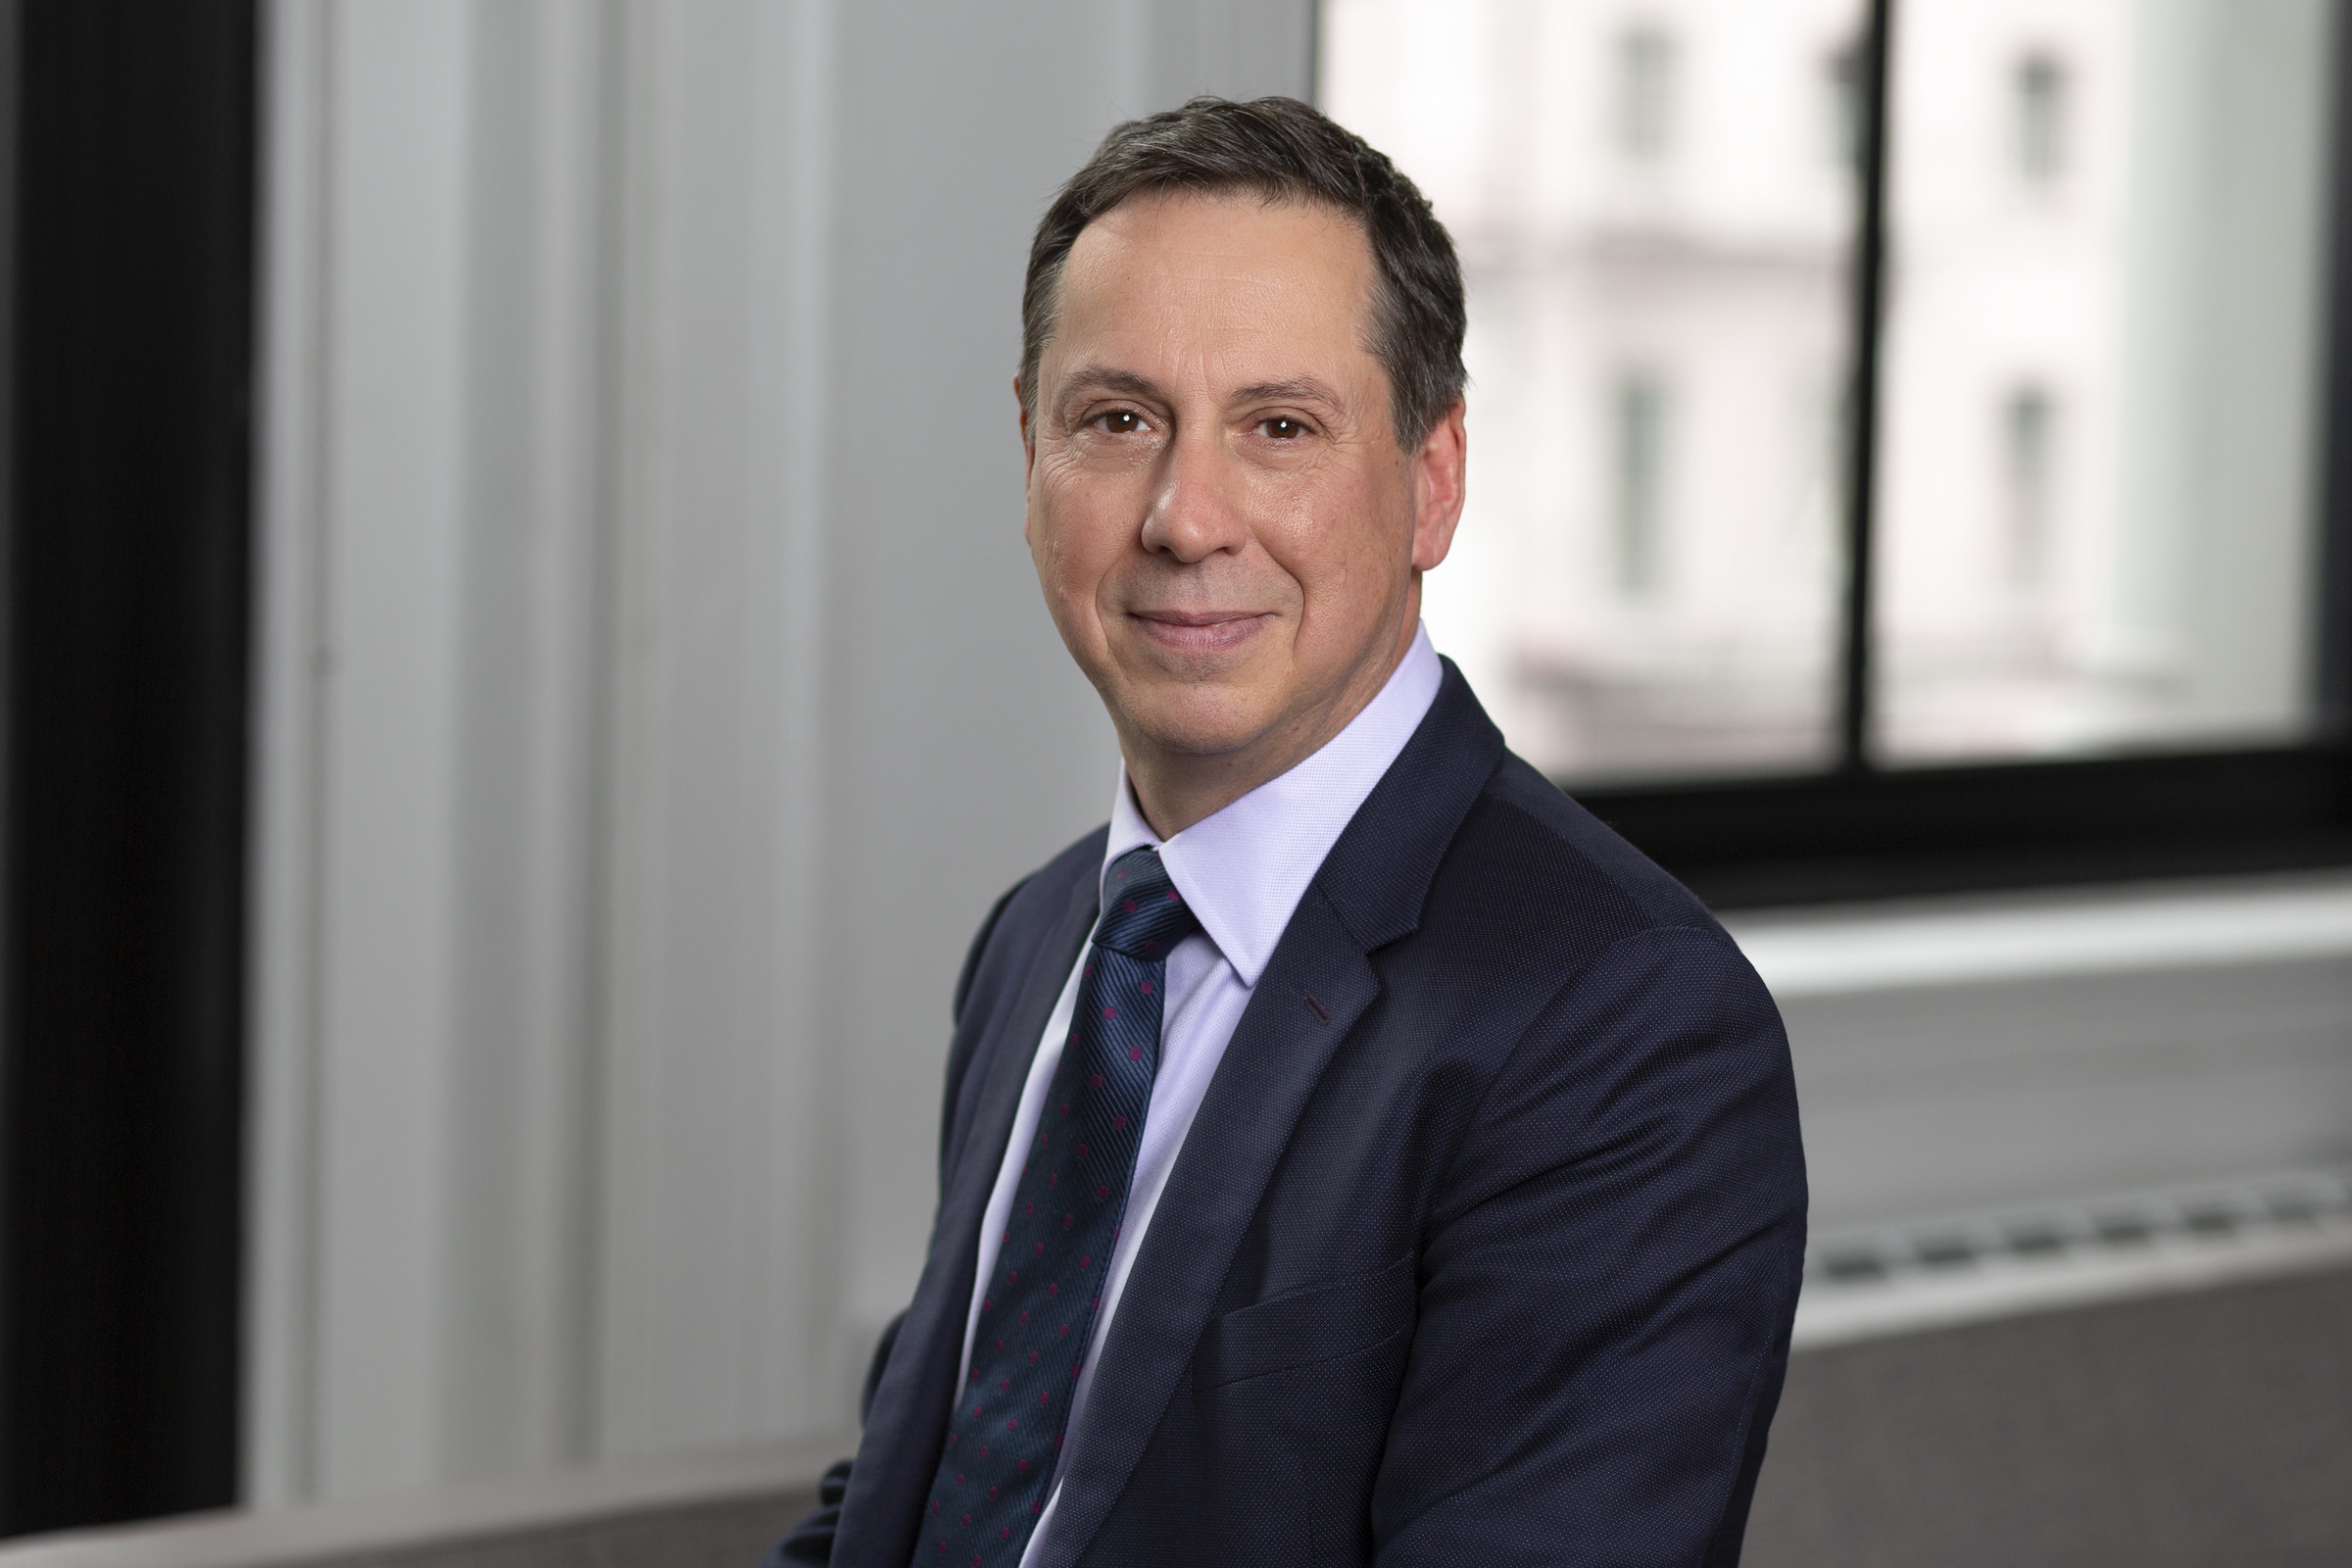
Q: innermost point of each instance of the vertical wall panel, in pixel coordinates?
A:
(656, 689)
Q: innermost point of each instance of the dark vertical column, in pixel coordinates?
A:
(125, 626)
(1856, 689)
(2334, 608)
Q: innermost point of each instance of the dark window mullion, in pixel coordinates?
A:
(2334, 675)
(1858, 625)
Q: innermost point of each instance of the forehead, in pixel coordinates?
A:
(1219, 275)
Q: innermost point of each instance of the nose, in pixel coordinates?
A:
(1195, 511)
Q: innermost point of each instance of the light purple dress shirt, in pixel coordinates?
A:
(1243, 870)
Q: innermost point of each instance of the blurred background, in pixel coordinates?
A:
(521, 677)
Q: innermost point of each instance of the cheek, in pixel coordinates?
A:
(1074, 547)
(1346, 550)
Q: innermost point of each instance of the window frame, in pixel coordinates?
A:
(1858, 829)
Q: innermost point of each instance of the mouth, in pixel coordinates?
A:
(1199, 631)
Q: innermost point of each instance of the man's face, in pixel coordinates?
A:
(1228, 533)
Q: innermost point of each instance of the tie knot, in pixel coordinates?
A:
(1143, 914)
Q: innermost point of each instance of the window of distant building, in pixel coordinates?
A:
(1645, 93)
(2028, 439)
(1639, 412)
(2038, 110)
(1841, 105)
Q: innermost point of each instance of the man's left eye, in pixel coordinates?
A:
(1282, 429)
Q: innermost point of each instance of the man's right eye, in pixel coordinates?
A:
(1123, 421)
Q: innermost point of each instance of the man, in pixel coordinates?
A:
(1354, 1152)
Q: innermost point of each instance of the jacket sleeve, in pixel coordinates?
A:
(960, 1051)
(811, 1540)
(1608, 1274)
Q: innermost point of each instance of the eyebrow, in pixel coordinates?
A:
(1102, 379)
(1299, 389)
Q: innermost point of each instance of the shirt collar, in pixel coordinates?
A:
(1245, 869)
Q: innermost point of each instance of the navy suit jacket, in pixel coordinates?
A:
(1485, 1244)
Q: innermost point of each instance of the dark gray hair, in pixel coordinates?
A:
(1282, 151)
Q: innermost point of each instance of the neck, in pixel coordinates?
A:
(1176, 789)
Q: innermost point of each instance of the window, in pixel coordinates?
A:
(1644, 93)
(1641, 442)
(1953, 421)
(2040, 115)
(2028, 440)
(1841, 105)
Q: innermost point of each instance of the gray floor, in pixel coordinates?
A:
(2211, 1429)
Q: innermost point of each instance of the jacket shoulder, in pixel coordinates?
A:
(1000, 954)
(1021, 917)
(1533, 871)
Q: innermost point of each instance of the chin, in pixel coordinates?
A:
(1199, 722)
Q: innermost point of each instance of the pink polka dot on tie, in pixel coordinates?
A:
(1109, 1014)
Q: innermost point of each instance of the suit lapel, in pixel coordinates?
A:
(908, 1425)
(1278, 1053)
(1320, 981)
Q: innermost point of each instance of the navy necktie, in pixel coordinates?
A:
(1038, 1305)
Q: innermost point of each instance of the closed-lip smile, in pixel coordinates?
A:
(1199, 631)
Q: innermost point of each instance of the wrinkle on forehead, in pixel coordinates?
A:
(1149, 280)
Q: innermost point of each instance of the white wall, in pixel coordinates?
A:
(653, 688)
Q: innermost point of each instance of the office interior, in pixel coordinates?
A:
(522, 676)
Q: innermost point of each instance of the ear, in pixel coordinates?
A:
(1028, 436)
(1438, 488)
